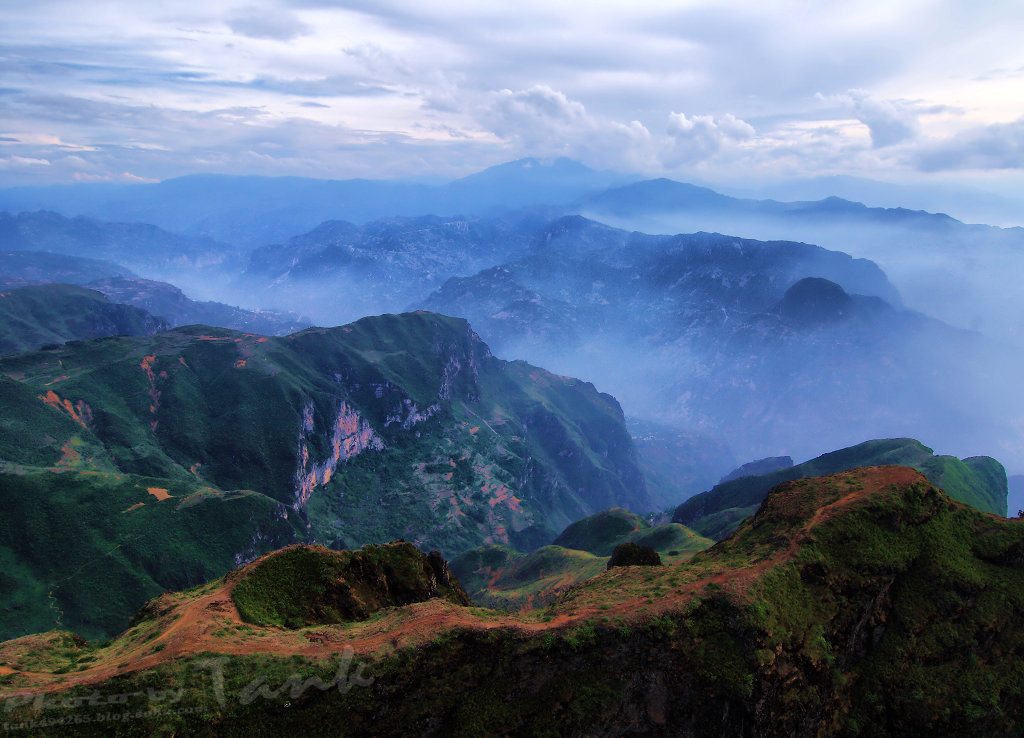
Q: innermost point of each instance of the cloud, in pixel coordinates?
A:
(337, 85)
(120, 177)
(267, 23)
(540, 121)
(997, 146)
(20, 162)
(109, 139)
(542, 79)
(536, 112)
(699, 138)
(889, 121)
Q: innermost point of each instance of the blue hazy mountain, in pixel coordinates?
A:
(965, 275)
(962, 274)
(967, 204)
(253, 211)
(143, 248)
(340, 271)
(777, 347)
(20, 268)
(119, 285)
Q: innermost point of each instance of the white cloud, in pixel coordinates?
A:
(267, 23)
(695, 139)
(115, 75)
(21, 162)
(541, 121)
(998, 146)
(535, 112)
(889, 121)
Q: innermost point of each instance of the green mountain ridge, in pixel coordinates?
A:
(398, 426)
(865, 603)
(33, 316)
(978, 481)
(497, 576)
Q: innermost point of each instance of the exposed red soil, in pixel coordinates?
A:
(206, 623)
(159, 493)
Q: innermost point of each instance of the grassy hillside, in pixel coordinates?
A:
(863, 603)
(84, 549)
(31, 317)
(979, 482)
(400, 426)
(499, 577)
(304, 585)
(496, 576)
(599, 534)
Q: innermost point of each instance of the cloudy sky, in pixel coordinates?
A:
(903, 90)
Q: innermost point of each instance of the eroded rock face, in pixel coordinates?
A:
(350, 435)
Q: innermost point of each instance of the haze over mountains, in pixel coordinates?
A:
(151, 441)
(715, 335)
(956, 272)
(962, 274)
(462, 369)
(256, 211)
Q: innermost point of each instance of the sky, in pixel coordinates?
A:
(719, 91)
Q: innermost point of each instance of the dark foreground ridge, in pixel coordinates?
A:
(862, 603)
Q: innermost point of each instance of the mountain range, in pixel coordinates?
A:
(141, 247)
(741, 340)
(979, 481)
(234, 506)
(256, 211)
(230, 444)
(732, 339)
(958, 273)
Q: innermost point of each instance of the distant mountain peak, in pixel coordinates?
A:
(814, 301)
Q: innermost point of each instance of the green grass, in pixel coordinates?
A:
(182, 408)
(76, 559)
(498, 576)
(54, 313)
(979, 482)
(304, 585)
(600, 533)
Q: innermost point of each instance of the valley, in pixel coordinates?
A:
(223, 465)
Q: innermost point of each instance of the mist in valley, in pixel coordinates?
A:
(312, 184)
(911, 330)
(686, 337)
(934, 357)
